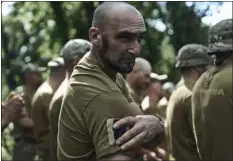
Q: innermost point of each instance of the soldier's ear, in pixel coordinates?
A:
(95, 36)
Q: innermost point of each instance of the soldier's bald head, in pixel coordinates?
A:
(105, 11)
(142, 64)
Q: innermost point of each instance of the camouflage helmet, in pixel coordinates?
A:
(193, 55)
(74, 48)
(220, 37)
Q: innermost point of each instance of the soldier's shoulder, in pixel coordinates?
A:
(224, 78)
(203, 80)
(45, 89)
(182, 92)
(44, 92)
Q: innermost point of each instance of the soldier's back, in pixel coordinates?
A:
(54, 110)
(181, 138)
(40, 110)
(212, 113)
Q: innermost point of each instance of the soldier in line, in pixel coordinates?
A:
(25, 142)
(152, 105)
(168, 89)
(212, 98)
(72, 52)
(139, 79)
(40, 107)
(154, 93)
(95, 98)
(192, 61)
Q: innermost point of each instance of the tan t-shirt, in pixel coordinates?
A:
(54, 110)
(179, 124)
(91, 100)
(40, 108)
(212, 113)
(162, 106)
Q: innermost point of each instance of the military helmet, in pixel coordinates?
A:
(193, 55)
(220, 37)
(74, 48)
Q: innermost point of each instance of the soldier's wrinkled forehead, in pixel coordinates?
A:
(126, 19)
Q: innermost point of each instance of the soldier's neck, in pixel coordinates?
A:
(189, 81)
(54, 82)
(135, 88)
(29, 88)
(103, 65)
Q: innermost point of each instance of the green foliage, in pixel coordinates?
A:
(185, 25)
(7, 143)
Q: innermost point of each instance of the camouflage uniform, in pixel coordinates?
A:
(181, 139)
(212, 98)
(25, 143)
(73, 49)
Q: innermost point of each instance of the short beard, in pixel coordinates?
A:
(105, 58)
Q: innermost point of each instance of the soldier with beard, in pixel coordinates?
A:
(96, 95)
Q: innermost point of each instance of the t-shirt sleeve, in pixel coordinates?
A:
(83, 131)
(101, 109)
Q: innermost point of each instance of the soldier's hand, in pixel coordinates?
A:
(144, 129)
(149, 155)
(12, 108)
(158, 155)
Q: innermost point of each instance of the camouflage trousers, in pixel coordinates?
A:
(24, 150)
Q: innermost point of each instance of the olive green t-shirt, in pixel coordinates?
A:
(179, 123)
(40, 108)
(54, 110)
(212, 113)
(92, 100)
